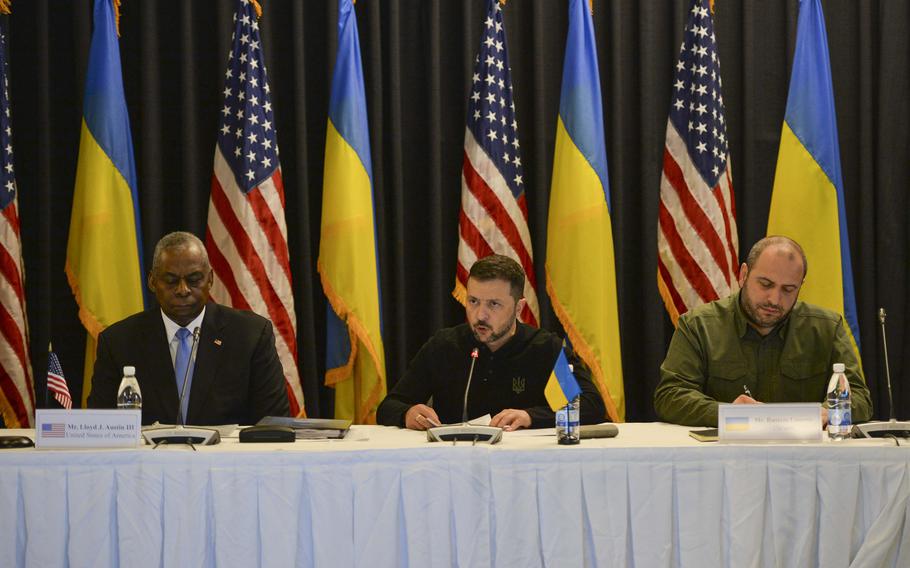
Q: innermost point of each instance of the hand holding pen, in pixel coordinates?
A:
(746, 397)
(420, 417)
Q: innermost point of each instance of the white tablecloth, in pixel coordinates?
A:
(651, 497)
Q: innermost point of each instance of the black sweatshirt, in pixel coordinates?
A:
(514, 376)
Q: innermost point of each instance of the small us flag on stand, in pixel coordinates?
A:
(494, 213)
(246, 236)
(697, 243)
(56, 382)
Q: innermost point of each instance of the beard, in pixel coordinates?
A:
(494, 334)
(772, 315)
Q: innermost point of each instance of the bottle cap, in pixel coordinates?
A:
(129, 371)
(839, 367)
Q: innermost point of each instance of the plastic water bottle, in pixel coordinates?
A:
(567, 423)
(129, 395)
(839, 404)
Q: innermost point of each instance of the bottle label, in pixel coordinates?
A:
(834, 417)
(562, 418)
(839, 417)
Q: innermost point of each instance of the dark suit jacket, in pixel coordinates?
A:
(237, 379)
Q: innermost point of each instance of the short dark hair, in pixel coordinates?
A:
(177, 239)
(499, 267)
(780, 240)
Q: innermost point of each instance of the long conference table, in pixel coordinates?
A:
(651, 497)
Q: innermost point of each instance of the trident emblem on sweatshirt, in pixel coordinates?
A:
(518, 385)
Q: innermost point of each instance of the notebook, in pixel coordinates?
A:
(706, 435)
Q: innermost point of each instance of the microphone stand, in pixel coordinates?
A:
(181, 434)
(465, 432)
(891, 428)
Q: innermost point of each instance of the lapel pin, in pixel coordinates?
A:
(218, 342)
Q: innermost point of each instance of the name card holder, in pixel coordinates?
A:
(87, 428)
(770, 422)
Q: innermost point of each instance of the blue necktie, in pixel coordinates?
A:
(181, 362)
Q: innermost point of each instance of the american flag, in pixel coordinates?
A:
(697, 243)
(56, 382)
(494, 213)
(17, 398)
(53, 430)
(246, 237)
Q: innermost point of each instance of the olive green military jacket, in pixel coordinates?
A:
(715, 355)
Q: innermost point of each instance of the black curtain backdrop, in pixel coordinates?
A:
(417, 57)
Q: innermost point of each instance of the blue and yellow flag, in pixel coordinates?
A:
(348, 259)
(562, 385)
(103, 254)
(581, 272)
(807, 203)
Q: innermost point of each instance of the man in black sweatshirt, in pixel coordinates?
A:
(513, 364)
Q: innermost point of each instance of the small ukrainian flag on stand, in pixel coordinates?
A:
(562, 386)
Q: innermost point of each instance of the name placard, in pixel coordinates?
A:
(770, 422)
(87, 428)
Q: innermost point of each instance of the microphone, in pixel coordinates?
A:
(464, 431)
(891, 428)
(475, 353)
(181, 434)
(881, 320)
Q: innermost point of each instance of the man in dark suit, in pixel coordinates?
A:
(234, 377)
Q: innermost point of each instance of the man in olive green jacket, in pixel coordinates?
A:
(759, 344)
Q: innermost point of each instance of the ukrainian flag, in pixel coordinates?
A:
(562, 385)
(581, 273)
(348, 259)
(103, 254)
(807, 203)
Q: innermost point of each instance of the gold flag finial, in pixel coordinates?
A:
(257, 7)
(5, 7)
(117, 16)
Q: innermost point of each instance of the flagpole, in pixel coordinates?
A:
(46, 390)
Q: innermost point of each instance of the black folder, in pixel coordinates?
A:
(310, 428)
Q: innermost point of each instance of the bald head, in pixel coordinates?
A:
(781, 245)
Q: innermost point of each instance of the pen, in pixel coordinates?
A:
(747, 391)
(431, 421)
